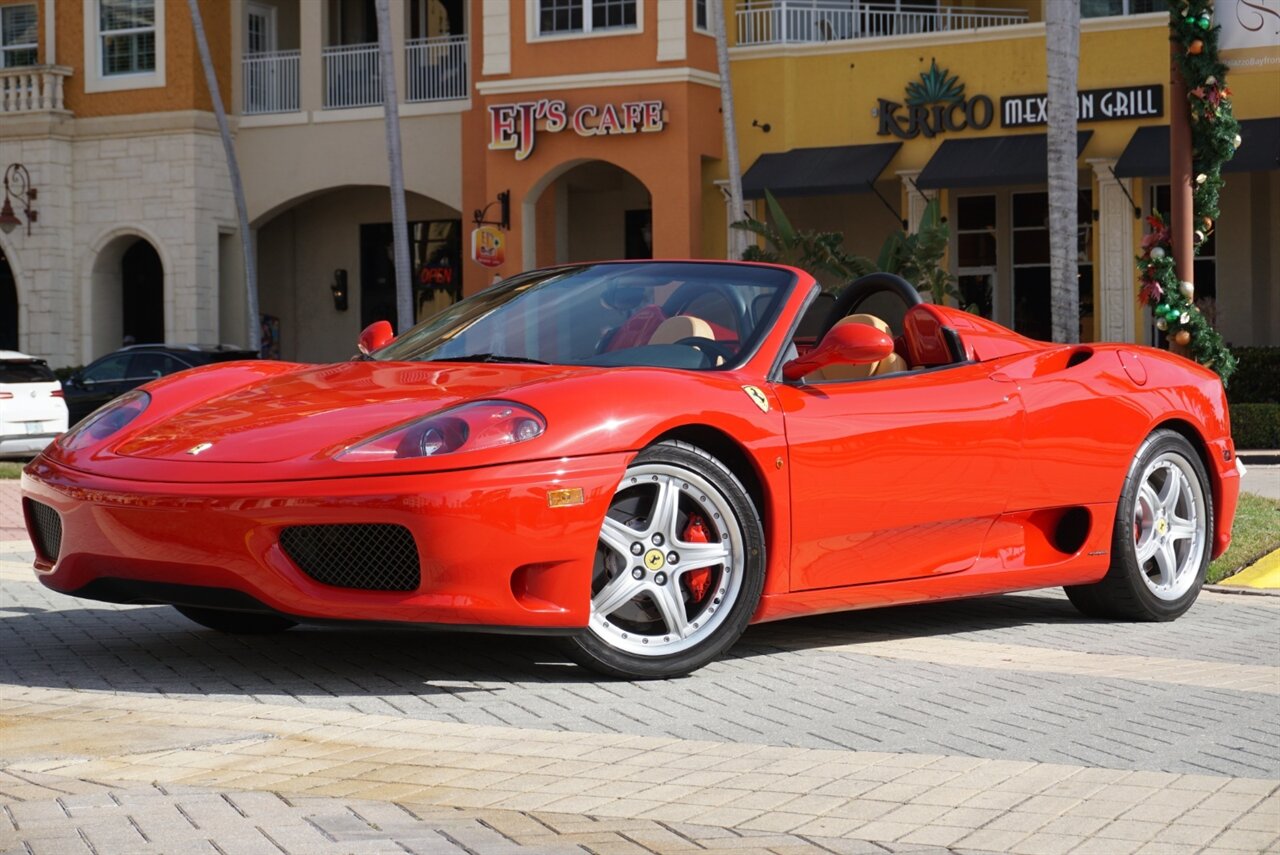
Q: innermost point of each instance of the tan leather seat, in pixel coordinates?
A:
(672, 330)
(889, 365)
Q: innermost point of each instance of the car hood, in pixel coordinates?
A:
(315, 411)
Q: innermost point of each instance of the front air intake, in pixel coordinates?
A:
(46, 529)
(363, 556)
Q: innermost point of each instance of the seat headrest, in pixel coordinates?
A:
(672, 330)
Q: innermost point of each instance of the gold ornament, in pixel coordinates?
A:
(1182, 338)
(1162, 324)
(1184, 318)
(1235, 141)
(1201, 178)
(1210, 80)
(1200, 236)
(1188, 290)
(1157, 252)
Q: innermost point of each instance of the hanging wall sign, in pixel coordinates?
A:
(1093, 105)
(934, 104)
(488, 246)
(514, 127)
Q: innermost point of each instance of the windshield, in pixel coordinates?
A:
(694, 315)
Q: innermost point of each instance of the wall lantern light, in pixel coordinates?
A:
(339, 289)
(17, 185)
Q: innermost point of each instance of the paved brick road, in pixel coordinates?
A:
(1007, 724)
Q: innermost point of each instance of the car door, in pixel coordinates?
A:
(898, 476)
(97, 384)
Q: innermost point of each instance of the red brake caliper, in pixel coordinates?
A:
(697, 581)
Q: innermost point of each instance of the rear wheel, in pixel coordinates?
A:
(1160, 546)
(237, 623)
(678, 570)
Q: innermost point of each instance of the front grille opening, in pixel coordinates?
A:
(46, 529)
(364, 556)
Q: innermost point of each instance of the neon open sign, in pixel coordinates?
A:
(514, 127)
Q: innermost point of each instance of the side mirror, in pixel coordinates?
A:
(845, 344)
(376, 336)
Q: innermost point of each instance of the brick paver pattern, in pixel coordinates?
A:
(1007, 724)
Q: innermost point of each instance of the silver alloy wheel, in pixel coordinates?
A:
(1169, 526)
(650, 558)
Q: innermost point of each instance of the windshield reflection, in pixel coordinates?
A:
(691, 315)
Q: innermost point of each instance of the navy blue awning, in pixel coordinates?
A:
(991, 161)
(1147, 154)
(818, 171)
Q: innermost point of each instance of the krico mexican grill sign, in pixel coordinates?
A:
(934, 104)
(514, 127)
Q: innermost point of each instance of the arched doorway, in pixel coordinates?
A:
(593, 211)
(325, 268)
(8, 305)
(142, 294)
(126, 295)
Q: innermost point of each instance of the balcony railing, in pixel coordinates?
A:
(786, 21)
(352, 76)
(271, 82)
(32, 88)
(436, 69)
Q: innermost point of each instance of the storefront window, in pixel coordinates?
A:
(1102, 8)
(700, 20)
(585, 16)
(1032, 313)
(976, 252)
(127, 29)
(17, 36)
(435, 254)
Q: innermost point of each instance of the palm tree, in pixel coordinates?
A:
(399, 220)
(716, 10)
(1062, 45)
(233, 169)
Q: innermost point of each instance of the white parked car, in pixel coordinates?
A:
(32, 411)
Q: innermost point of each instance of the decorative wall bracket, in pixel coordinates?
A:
(504, 207)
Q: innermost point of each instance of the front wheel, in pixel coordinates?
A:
(678, 569)
(1161, 544)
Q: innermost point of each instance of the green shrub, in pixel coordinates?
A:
(1255, 425)
(1257, 377)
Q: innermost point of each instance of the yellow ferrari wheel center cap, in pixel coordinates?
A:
(654, 560)
(1162, 526)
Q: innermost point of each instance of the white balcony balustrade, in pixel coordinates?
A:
(436, 68)
(762, 22)
(352, 76)
(271, 82)
(32, 89)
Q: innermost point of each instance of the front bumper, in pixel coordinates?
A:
(492, 553)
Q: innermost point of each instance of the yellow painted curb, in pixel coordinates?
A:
(1263, 573)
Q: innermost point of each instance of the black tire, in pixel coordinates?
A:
(237, 623)
(1124, 593)
(592, 651)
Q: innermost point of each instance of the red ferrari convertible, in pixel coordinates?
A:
(644, 458)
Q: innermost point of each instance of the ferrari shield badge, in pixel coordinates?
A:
(757, 397)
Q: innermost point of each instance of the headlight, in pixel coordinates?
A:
(467, 427)
(105, 421)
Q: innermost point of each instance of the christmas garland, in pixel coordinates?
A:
(1215, 136)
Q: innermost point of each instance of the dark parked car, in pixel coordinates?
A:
(128, 368)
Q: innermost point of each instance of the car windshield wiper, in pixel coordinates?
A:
(488, 357)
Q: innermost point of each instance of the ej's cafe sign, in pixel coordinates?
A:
(514, 127)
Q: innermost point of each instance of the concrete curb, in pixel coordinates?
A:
(1259, 457)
